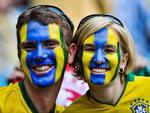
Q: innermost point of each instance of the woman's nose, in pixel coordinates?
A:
(99, 57)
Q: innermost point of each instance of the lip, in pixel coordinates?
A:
(42, 69)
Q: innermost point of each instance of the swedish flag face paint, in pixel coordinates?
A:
(101, 57)
(43, 53)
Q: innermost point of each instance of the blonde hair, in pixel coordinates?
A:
(96, 23)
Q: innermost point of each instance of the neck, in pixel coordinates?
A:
(110, 93)
(43, 98)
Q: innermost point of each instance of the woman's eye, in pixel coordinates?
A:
(110, 50)
(89, 48)
(28, 46)
(50, 44)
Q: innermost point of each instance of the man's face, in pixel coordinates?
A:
(43, 53)
(101, 57)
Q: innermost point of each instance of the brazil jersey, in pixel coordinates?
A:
(15, 99)
(134, 99)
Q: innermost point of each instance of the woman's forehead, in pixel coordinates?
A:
(105, 34)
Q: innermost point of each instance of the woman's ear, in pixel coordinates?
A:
(72, 52)
(124, 61)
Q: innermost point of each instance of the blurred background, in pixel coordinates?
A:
(135, 14)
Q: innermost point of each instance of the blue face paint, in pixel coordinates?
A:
(99, 59)
(40, 54)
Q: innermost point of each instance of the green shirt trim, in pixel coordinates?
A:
(28, 100)
(130, 77)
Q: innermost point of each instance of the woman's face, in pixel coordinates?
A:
(101, 57)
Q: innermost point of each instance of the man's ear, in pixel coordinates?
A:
(72, 52)
(124, 61)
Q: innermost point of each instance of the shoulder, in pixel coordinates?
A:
(9, 89)
(142, 80)
(9, 93)
(139, 82)
(79, 105)
(139, 79)
(59, 109)
(137, 93)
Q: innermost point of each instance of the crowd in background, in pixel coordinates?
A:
(134, 13)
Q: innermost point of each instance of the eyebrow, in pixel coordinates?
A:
(51, 40)
(88, 44)
(27, 42)
(23, 44)
(110, 46)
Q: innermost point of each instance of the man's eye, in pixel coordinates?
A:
(50, 44)
(28, 46)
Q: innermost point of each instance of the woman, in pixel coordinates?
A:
(105, 56)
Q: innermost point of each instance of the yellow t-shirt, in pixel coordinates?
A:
(134, 99)
(14, 99)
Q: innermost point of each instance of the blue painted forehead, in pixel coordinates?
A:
(104, 29)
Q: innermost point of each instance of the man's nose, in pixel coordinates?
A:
(40, 53)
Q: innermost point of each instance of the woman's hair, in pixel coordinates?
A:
(95, 22)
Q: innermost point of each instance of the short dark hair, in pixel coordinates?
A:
(46, 14)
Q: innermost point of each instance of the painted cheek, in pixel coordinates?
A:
(59, 51)
(113, 58)
(87, 58)
(60, 62)
(23, 35)
(24, 63)
(113, 63)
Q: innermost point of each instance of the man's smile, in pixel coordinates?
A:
(40, 70)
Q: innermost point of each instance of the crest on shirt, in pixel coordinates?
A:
(140, 106)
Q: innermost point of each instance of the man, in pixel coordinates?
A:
(43, 33)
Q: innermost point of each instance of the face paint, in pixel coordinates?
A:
(43, 53)
(101, 57)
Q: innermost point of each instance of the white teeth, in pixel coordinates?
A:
(98, 70)
(42, 68)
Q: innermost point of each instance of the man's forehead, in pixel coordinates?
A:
(35, 29)
(37, 24)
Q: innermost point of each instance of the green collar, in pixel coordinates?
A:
(28, 100)
(127, 79)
